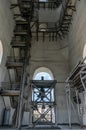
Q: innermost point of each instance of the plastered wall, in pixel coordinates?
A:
(77, 34)
(6, 33)
(77, 42)
(52, 55)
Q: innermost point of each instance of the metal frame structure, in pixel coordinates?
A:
(43, 103)
(71, 106)
(60, 28)
(22, 41)
(75, 84)
(50, 4)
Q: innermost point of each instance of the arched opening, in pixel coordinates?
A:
(43, 97)
(84, 53)
(1, 51)
(43, 72)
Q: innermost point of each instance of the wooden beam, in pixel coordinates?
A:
(9, 92)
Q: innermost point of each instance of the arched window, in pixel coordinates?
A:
(1, 51)
(43, 72)
(84, 53)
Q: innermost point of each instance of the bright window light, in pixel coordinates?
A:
(1, 51)
(84, 53)
(43, 74)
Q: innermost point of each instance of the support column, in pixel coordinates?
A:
(68, 100)
(55, 109)
(84, 109)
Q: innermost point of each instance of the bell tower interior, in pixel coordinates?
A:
(42, 64)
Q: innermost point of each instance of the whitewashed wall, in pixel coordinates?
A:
(6, 33)
(77, 42)
(77, 35)
(51, 55)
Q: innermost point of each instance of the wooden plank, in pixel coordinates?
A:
(14, 65)
(20, 33)
(9, 92)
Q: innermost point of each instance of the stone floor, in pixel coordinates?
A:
(61, 127)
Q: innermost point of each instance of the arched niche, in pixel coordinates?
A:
(43, 71)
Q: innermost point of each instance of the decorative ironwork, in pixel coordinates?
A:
(43, 102)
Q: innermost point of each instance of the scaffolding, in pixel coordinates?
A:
(43, 104)
(24, 17)
(76, 84)
(55, 29)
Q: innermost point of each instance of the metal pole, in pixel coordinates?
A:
(82, 83)
(55, 108)
(68, 99)
(22, 86)
(78, 107)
